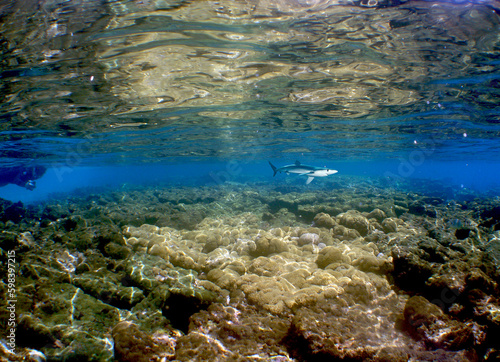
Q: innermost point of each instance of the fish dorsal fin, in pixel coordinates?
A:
(297, 163)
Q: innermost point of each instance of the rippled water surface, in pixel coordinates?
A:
(135, 81)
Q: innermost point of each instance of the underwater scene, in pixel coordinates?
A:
(249, 180)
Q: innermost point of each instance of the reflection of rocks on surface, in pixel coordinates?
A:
(277, 65)
(264, 283)
(253, 52)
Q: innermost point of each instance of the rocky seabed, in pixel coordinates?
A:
(229, 274)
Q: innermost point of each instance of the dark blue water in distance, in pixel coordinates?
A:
(482, 176)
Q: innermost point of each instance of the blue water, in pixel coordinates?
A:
(153, 93)
(478, 176)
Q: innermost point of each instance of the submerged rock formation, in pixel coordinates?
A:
(238, 285)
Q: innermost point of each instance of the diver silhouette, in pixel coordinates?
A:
(23, 176)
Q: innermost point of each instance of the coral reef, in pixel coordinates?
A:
(133, 345)
(362, 275)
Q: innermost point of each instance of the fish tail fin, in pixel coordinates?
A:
(273, 167)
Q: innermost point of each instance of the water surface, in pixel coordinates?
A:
(105, 83)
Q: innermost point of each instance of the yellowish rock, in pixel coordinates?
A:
(321, 277)
(297, 277)
(329, 255)
(159, 250)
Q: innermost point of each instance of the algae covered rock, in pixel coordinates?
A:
(354, 220)
(427, 322)
(116, 251)
(32, 330)
(109, 290)
(59, 305)
(133, 345)
(377, 214)
(389, 225)
(232, 332)
(324, 220)
(308, 238)
(327, 332)
(280, 286)
(105, 236)
(267, 244)
(371, 263)
(212, 241)
(223, 278)
(178, 292)
(180, 305)
(343, 233)
(330, 255)
(410, 271)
